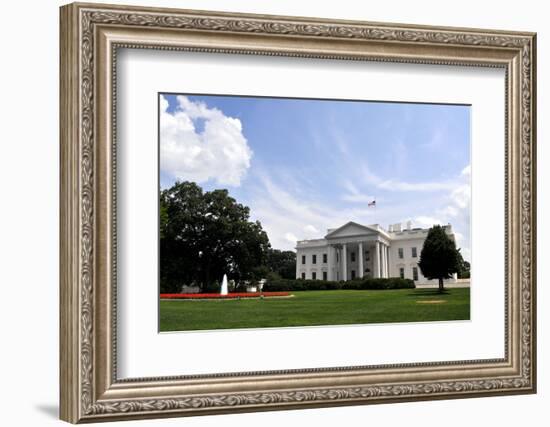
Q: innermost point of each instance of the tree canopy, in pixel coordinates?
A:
(282, 263)
(204, 235)
(439, 258)
(463, 267)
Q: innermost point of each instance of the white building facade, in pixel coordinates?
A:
(359, 251)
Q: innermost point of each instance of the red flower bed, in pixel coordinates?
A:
(228, 296)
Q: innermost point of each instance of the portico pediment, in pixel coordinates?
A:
(351, 229)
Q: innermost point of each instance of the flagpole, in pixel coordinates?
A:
(373, 204)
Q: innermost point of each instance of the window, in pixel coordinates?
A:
(303, 259)
(415, 273)
(400, 251)
(324, 258)
(313, 275)
(337, 260)
(353, 257)
(304, 276)
(352, 274)
(401, 272)
(314, 259)
(414, 252)
(367, 256)
(325, 275)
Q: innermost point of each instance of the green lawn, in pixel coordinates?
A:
(309, 308)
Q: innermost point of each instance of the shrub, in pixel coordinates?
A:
(379, 283)
(212, 287)
(322, 285)
(240, 287)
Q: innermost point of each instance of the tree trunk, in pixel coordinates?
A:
(440, 284)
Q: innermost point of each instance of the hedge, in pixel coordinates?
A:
(323, 285)
(389, 283)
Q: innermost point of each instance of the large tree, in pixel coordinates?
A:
(439, 258)
(204, 235)
(282, 263)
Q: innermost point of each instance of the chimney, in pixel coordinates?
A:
(409, 224)
(390, 228)
(397, 227)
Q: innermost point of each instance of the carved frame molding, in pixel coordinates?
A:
(90, 36)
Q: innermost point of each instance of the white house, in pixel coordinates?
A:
(355, 251)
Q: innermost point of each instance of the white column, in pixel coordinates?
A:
(383, 248)
(361, 256)
(344, 263)
(377, 259)
(388, 260)
(338, 263)
(298, 263)
(387, 263)
(382, 263)
(330, 267)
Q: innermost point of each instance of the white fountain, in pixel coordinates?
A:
(223, 290)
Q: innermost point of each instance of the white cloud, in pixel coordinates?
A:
(218, 152)
(357, 198)
(310, 229)
(415, 186)
(437, 139)
(354, 195)
(289, 214)
(291, 238)
(394, 185)
(459, 236)
(466, 253)
(461, 196)
(450, 203)
(454, 209)
(426, 221)
(288, 217)
(449, 211)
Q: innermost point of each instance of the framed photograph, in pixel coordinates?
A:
(266, 212)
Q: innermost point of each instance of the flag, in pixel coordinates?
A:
(373, 203)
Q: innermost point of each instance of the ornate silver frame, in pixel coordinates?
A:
(90, 36)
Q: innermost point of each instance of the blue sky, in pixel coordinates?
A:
(303, 166)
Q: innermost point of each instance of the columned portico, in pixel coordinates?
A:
(357, 259)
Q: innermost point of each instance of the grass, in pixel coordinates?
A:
(310, 308)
